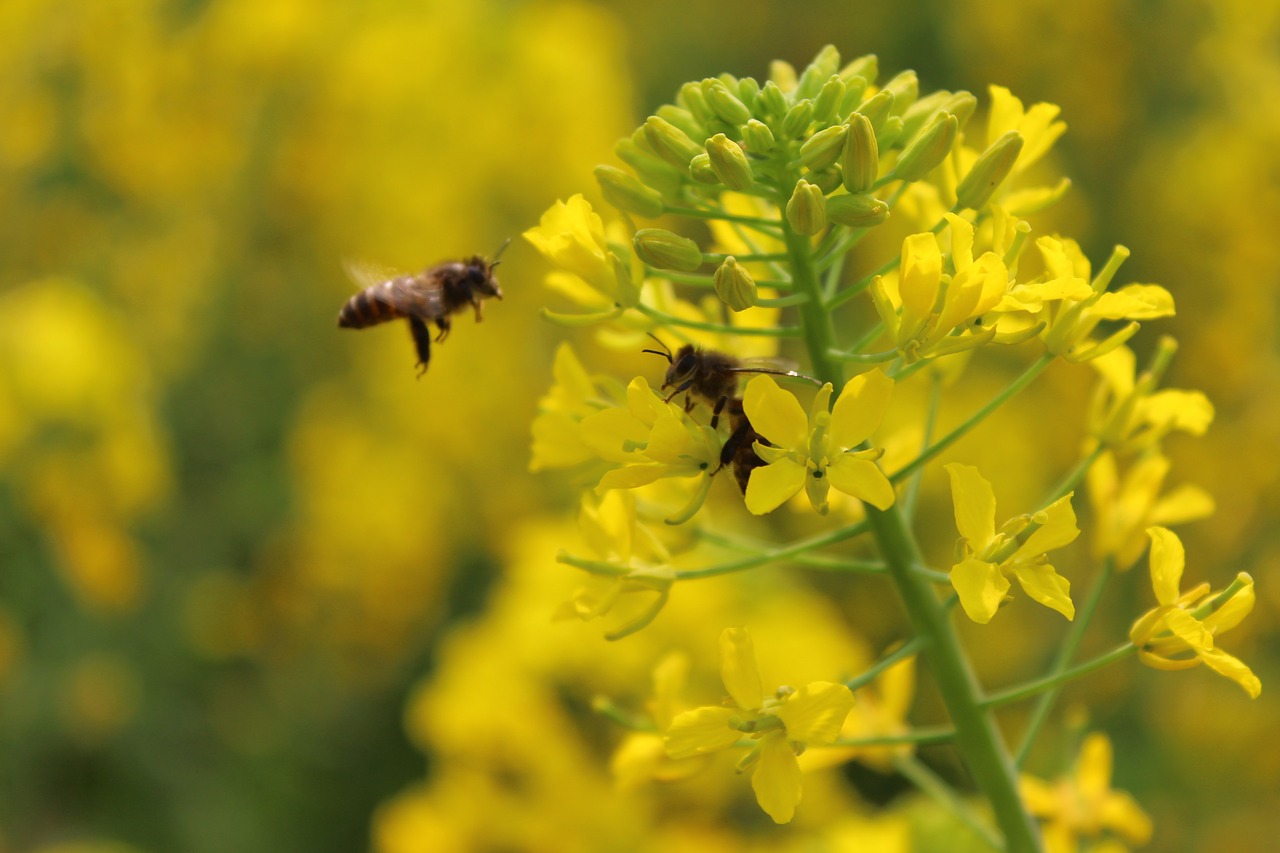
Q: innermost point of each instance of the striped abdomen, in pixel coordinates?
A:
(373, 305)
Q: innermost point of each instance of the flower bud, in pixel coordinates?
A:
(828, 100)
(989, 171)
(928, 148)
(906, 88)
(807, 209)
(827, 180)
(819, 71)
(867, 67)
(962, 105)
(860, 210)
(683, 119)
(691, 98)
(653, 171)
(797, 120)
(853, 91)
(664, 250)
(724, 103)
(922, 112)
(625, 192)
(783, 75)
(700, 169)
(758, 137)
(889, 133)
(773, 103)
(734, 285)
(823, 148)
(729, 162)
(670, 142)
(877, 108)
(860, 158)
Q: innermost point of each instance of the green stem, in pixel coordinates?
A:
(921, 736)
(1051, 682)
(929, 783)
(977, 736)
(904, 651)
(697, 213)
(1062, 659)
(1028, 375)
(770, 556)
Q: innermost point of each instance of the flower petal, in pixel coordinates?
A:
(771, 485)
(981, 587)
(738, 669)
(776, 414)
(1167, 559)
(861, 478)
(975, 505)
(1233, 668)
(776, 778)
(1043, 583)
(700, 731)
(1057, 529)
(859, 409)
(815, 712)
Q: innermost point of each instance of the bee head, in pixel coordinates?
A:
(683, 366)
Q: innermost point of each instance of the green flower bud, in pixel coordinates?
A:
(625, 192)
(724, 103)
(664, 250)
(889, 133)
(853, 91)
(828, 100)
(922, 111)
(860, 210)
(729, 162)
(628, 282)
(860, 158)
(962, 105)
(700, 169)
(734, 285)
(877, 108)
(827, 180)
(653, 172)
(818, 72)
(989, 171)
(807, 209)
(758, 137)
(867, 67)
(906, 88)
(773, 103)
(928, 149)
(823, 148)
(797, 120)
(748, 91)
(782, 74)
(691, 98)
(682, 119)
(670, 142)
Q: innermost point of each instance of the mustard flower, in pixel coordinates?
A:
(988, 556)
(880, 712)
(557, 428)
(1039, 128)
(1124, 507)
(1177, 634)
(933, 305)
(572, 236)
(781, 726)
(818, 452)
(642, 755)
(1130, 415)
(1083, 806)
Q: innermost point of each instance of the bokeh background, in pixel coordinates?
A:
(260, 589)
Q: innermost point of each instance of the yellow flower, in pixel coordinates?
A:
(1129, 415)
(781, 726)
(1039, 128)
(642, 755)
(557, 430)
(817, 452)
(572, 236)
(1188, 622)
(980, 578)
(1083, 805)
(1125, 507)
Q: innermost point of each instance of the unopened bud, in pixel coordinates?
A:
(691, 98)
(758, 137)
(853, 91)
(823, 148)
(748, 91)
(725, 103)
(889, 133)
(928, 149)
(652, 170)
(827, 180)
(906, 88)
(828, 100)
(818, 72)
(797, 120)
(729, 162)
(625, 192)
(734, 285)
(962, 105)
(807, 209)
(860, 158)
(664, 250)
(989, 171)
(773, 103)
(877, 108)
(670, 142)
(683, 119)
(867, 67)
(922, 111)
(860, 210)
(700, 169)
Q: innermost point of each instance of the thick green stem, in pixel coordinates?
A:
(977, 736)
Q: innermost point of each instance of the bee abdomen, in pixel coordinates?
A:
(366, 309)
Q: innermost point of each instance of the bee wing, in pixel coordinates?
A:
(773, 366)
(404, 292)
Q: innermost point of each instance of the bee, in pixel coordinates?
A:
(712, 376)
(430, 296)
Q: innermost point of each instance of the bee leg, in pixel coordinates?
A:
(443, 324)
(715, 414)
(684, 387)
(421, 342)
(479, 316)
(729, 449)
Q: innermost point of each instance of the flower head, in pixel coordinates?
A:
(817, 452)
(988, 555)
(1180, 632)
(781, 725)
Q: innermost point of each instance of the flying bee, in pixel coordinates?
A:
(430, 296)
(712, 376)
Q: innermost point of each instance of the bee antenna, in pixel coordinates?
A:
(665, 352)
(498, 254)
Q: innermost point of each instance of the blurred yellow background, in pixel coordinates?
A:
(260, 589)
